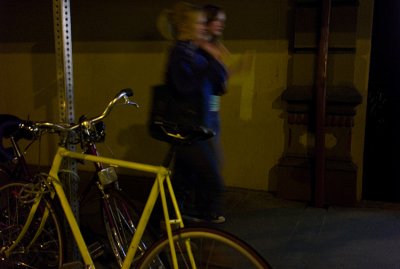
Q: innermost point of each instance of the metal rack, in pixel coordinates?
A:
(65, 88)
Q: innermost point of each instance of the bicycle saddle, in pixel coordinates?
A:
(9, 126)
(179, 134)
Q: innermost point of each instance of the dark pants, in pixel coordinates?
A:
(197, 171)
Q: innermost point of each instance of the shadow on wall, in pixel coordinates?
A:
(140, 146)
(44, 84)
(44, 94)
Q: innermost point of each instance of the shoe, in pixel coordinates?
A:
(217, 219)
(204, 218)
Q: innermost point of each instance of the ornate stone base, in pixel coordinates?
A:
(295, 181)
(295, 169)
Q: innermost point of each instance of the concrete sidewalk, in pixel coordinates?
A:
(291, 235)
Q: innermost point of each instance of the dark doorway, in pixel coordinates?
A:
(382, 140)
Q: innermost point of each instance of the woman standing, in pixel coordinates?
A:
(194, 80)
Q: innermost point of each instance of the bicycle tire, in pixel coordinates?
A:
(120, 218)
(211, 249)
(46, 251)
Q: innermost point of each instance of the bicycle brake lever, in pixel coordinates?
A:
(129, 102)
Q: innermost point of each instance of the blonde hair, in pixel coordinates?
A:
(177, 22)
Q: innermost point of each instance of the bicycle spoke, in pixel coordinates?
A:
(41, 246)
(120, 219)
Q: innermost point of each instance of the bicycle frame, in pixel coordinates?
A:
(158, 188)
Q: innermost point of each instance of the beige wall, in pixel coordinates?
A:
(253, 116)
(360, 79)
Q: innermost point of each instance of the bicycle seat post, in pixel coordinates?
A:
(170, 155)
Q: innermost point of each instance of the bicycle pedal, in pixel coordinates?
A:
(72, 265)
(96, 249)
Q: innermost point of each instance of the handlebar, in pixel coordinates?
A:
(91, 129)
(123, 94)
(36, 127)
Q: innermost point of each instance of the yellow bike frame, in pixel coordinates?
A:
(162, 178)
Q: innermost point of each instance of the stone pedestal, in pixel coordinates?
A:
(295, 168)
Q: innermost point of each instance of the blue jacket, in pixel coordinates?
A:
(195, 77)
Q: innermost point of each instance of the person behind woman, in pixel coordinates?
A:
(190, 74)
(235, 68)
(216, 54)
(215, 27)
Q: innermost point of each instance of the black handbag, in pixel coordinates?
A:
(169, 109)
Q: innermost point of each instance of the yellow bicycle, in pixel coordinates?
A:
(32, 233)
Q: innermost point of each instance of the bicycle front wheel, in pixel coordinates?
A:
(209, 248)
(120, 220)
(41, 247)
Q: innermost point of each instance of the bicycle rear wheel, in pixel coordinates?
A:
(210, 248)
(120, 219)
(42, 245)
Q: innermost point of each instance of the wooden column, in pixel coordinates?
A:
(320, 106)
